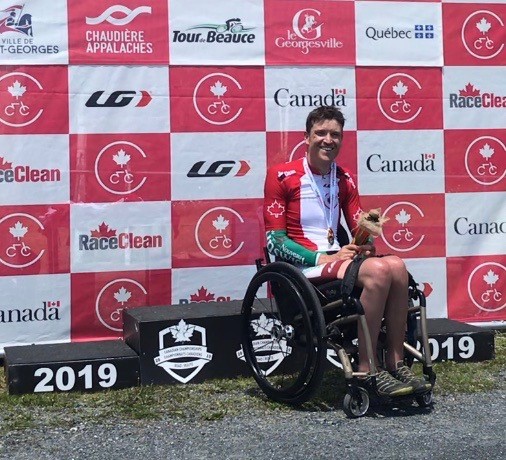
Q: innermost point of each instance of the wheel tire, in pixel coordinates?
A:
(282, 335)
(354, 408)
(425, 400)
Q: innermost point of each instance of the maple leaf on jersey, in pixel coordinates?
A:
(483, 26)
(202, 295)
(220, 223)
(276, 209)
(18, 231)
(490, 278)
(400, 88)
(486, 152)
(218, 89)
(403, 217)
(182, 332)
(4, 165)
(469, 91)
(122, 295)
(121, 158)
(103, 231)
(17, 89)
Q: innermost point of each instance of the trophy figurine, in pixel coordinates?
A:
(369, 225)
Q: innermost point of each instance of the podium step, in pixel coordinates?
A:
(61, 367)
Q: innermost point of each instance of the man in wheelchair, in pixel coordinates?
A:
(304, 200)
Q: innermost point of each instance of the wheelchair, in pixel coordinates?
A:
(290, 328)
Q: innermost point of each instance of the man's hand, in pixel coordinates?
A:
(348, 252)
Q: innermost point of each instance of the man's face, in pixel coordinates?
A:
(324, 141)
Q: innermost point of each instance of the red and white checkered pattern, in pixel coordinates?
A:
(135, 135)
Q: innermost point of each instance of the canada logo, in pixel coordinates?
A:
(483, 34)
(486, 286)
(183, 351)
(398, 97)
(485, 160)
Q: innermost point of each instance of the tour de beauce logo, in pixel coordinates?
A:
(119, 98)
(183, 350)
(203, 296)
(483, 34)
(231, 31)
(284, 97)
(485, 160)
(114, 297)
(472, 97)
(16, 33)
(418, 31)
(113, 169)
(397, 98)
(107, 239)
(486, 285)
(19, 102)
(269, 350)
(400, 234)
(10, 173)
(48, 310)
(117, 40)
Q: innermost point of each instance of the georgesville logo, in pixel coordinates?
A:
(232, 31)
(107, 239)
(472, 97)
(24, 173)
(48, 311)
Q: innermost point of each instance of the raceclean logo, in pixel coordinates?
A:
(418, 31)
(48, 311)
(472, 97)
(284, 97)
(105, 238)
(424, 163)
(203, 296)
(232, 31)
(24, 173)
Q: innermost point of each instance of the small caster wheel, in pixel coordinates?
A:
(356, 406)
(425, 400)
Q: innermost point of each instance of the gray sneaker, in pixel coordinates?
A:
(405, 374)
(387, 385)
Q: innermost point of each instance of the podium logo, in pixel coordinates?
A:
(285, 98)
(203, 296)
(403, 236)
(24, 173)
(183, 351)
(398, 96)
(48, 311)
(231, 31)
(486, 286)
(485, 160)
(471, 97)
(483, 34)
(119, 98)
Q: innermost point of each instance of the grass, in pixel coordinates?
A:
(213, 400)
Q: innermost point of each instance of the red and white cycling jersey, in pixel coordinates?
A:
(292, 204)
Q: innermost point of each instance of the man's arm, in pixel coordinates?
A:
(280, 245)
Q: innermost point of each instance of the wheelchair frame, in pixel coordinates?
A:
(300, 322)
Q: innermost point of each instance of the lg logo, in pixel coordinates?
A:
(118, 98)
(219, 168)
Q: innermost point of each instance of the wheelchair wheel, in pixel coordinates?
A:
(283, 332)
(356, 405)
(425, 400)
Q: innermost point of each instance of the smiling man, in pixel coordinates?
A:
(303, 202)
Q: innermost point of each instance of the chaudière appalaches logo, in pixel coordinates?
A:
(231, 31)
(183, 350)
(486, 286)
(483, 34)
(398, 98)
(485, 160)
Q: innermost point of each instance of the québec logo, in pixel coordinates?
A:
(486, 286)
(49, 310)
(232, 31)
(284, 97)
(486, 160)
(106, 239)
(220, 168)
(306, 32)
(418, 31)
(203, 296)
(396, 98)
(119, 98)
(25, 173)
(424, 163)
(472, 97)
(483, 34)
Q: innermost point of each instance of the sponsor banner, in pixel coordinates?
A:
(120, 236)
(102, 297)
(416, 226)
(35, 239)
(34, 309)
(393, 162)
(197, 285)
(477, 288)
(476, 223)
(217, 233)
(474, 97)
(227, 33)
(33, 32)
(474, 34)
(389, 35)
(475, 160)
(126, 167)
(291, 93)
(219, 99)
(430, 274)
(308, 34)
(211, 167)
(400, 98)
(288, 146)
(34, 100)
(34, 169)
(118, 99)
(130, 31)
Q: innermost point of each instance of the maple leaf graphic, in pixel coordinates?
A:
(202, 295)
(182, 332)
(276, 209)
(263, 325)
(122, 296)
(483, 26)
(220, 223)
(400, 88)
(403, 217)
(103, 231)
(18, 231)
(4, 165)
(469, 91)
(486, 152)
(218, 89)
(490, 278)
(17, 90)
(121, 158)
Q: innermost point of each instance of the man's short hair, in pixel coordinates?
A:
(325, 112)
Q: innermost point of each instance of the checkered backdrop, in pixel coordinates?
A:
(135, 135)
